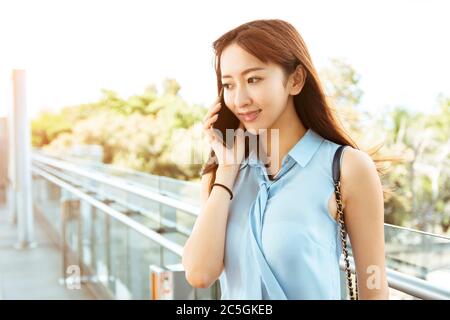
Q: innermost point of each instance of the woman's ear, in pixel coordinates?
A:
(297, 80)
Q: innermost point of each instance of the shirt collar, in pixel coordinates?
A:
(306, 147)
(302, 152)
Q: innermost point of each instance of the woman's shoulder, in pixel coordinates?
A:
(349, 154)
(354, 162)
(357, 163)
(357, 169)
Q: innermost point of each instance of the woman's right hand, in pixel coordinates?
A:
(229, 158)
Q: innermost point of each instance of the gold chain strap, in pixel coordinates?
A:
(337, 191)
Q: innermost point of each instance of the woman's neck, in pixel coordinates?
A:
(281, 137)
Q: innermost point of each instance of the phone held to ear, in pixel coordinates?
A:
(226, 120)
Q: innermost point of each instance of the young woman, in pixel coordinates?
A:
(268, 227)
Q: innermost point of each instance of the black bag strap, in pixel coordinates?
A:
(337, 191)
(337, 164)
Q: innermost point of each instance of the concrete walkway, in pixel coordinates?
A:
(33, 273)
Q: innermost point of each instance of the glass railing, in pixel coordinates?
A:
(111, 253)
(422, 255)
(410, 252)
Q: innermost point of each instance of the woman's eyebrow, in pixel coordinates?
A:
(245, 71)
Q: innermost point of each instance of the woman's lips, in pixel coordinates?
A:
(249, 117)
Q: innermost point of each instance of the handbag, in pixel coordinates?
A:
(343, 233)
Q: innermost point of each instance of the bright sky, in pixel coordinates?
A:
(72, 49)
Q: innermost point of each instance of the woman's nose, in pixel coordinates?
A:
(241, 99)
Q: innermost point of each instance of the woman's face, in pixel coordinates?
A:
(253, 86)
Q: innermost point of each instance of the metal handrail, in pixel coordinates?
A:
(403, 282)
(165, 222)
(416, 287)
(418, 231)
(129, 222)
(408, 284)
(119, 184)
(117, 169)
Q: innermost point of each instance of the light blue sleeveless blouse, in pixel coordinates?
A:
(281, 241)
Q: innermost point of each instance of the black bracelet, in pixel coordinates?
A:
(229, 191)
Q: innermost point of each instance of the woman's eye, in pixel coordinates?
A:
(255, 78)
(250, 80)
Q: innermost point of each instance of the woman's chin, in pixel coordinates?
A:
(252, 130)
(255, 130)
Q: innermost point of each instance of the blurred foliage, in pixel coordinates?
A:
(421, 180)
(161, 134)
(136, 132)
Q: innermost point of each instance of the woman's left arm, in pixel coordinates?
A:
(363, 202)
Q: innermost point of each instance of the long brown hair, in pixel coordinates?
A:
(277, 41)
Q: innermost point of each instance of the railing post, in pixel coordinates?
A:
(39, 191)
(65, 208)
(93, 241)
(169, 283)
(67, 204)
(107, 241)
(160, 224)
(80, 245)
(86, 237)
(11, 202)
(4, 145)
(22, 162)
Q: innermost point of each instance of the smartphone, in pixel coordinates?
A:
(226, 120)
